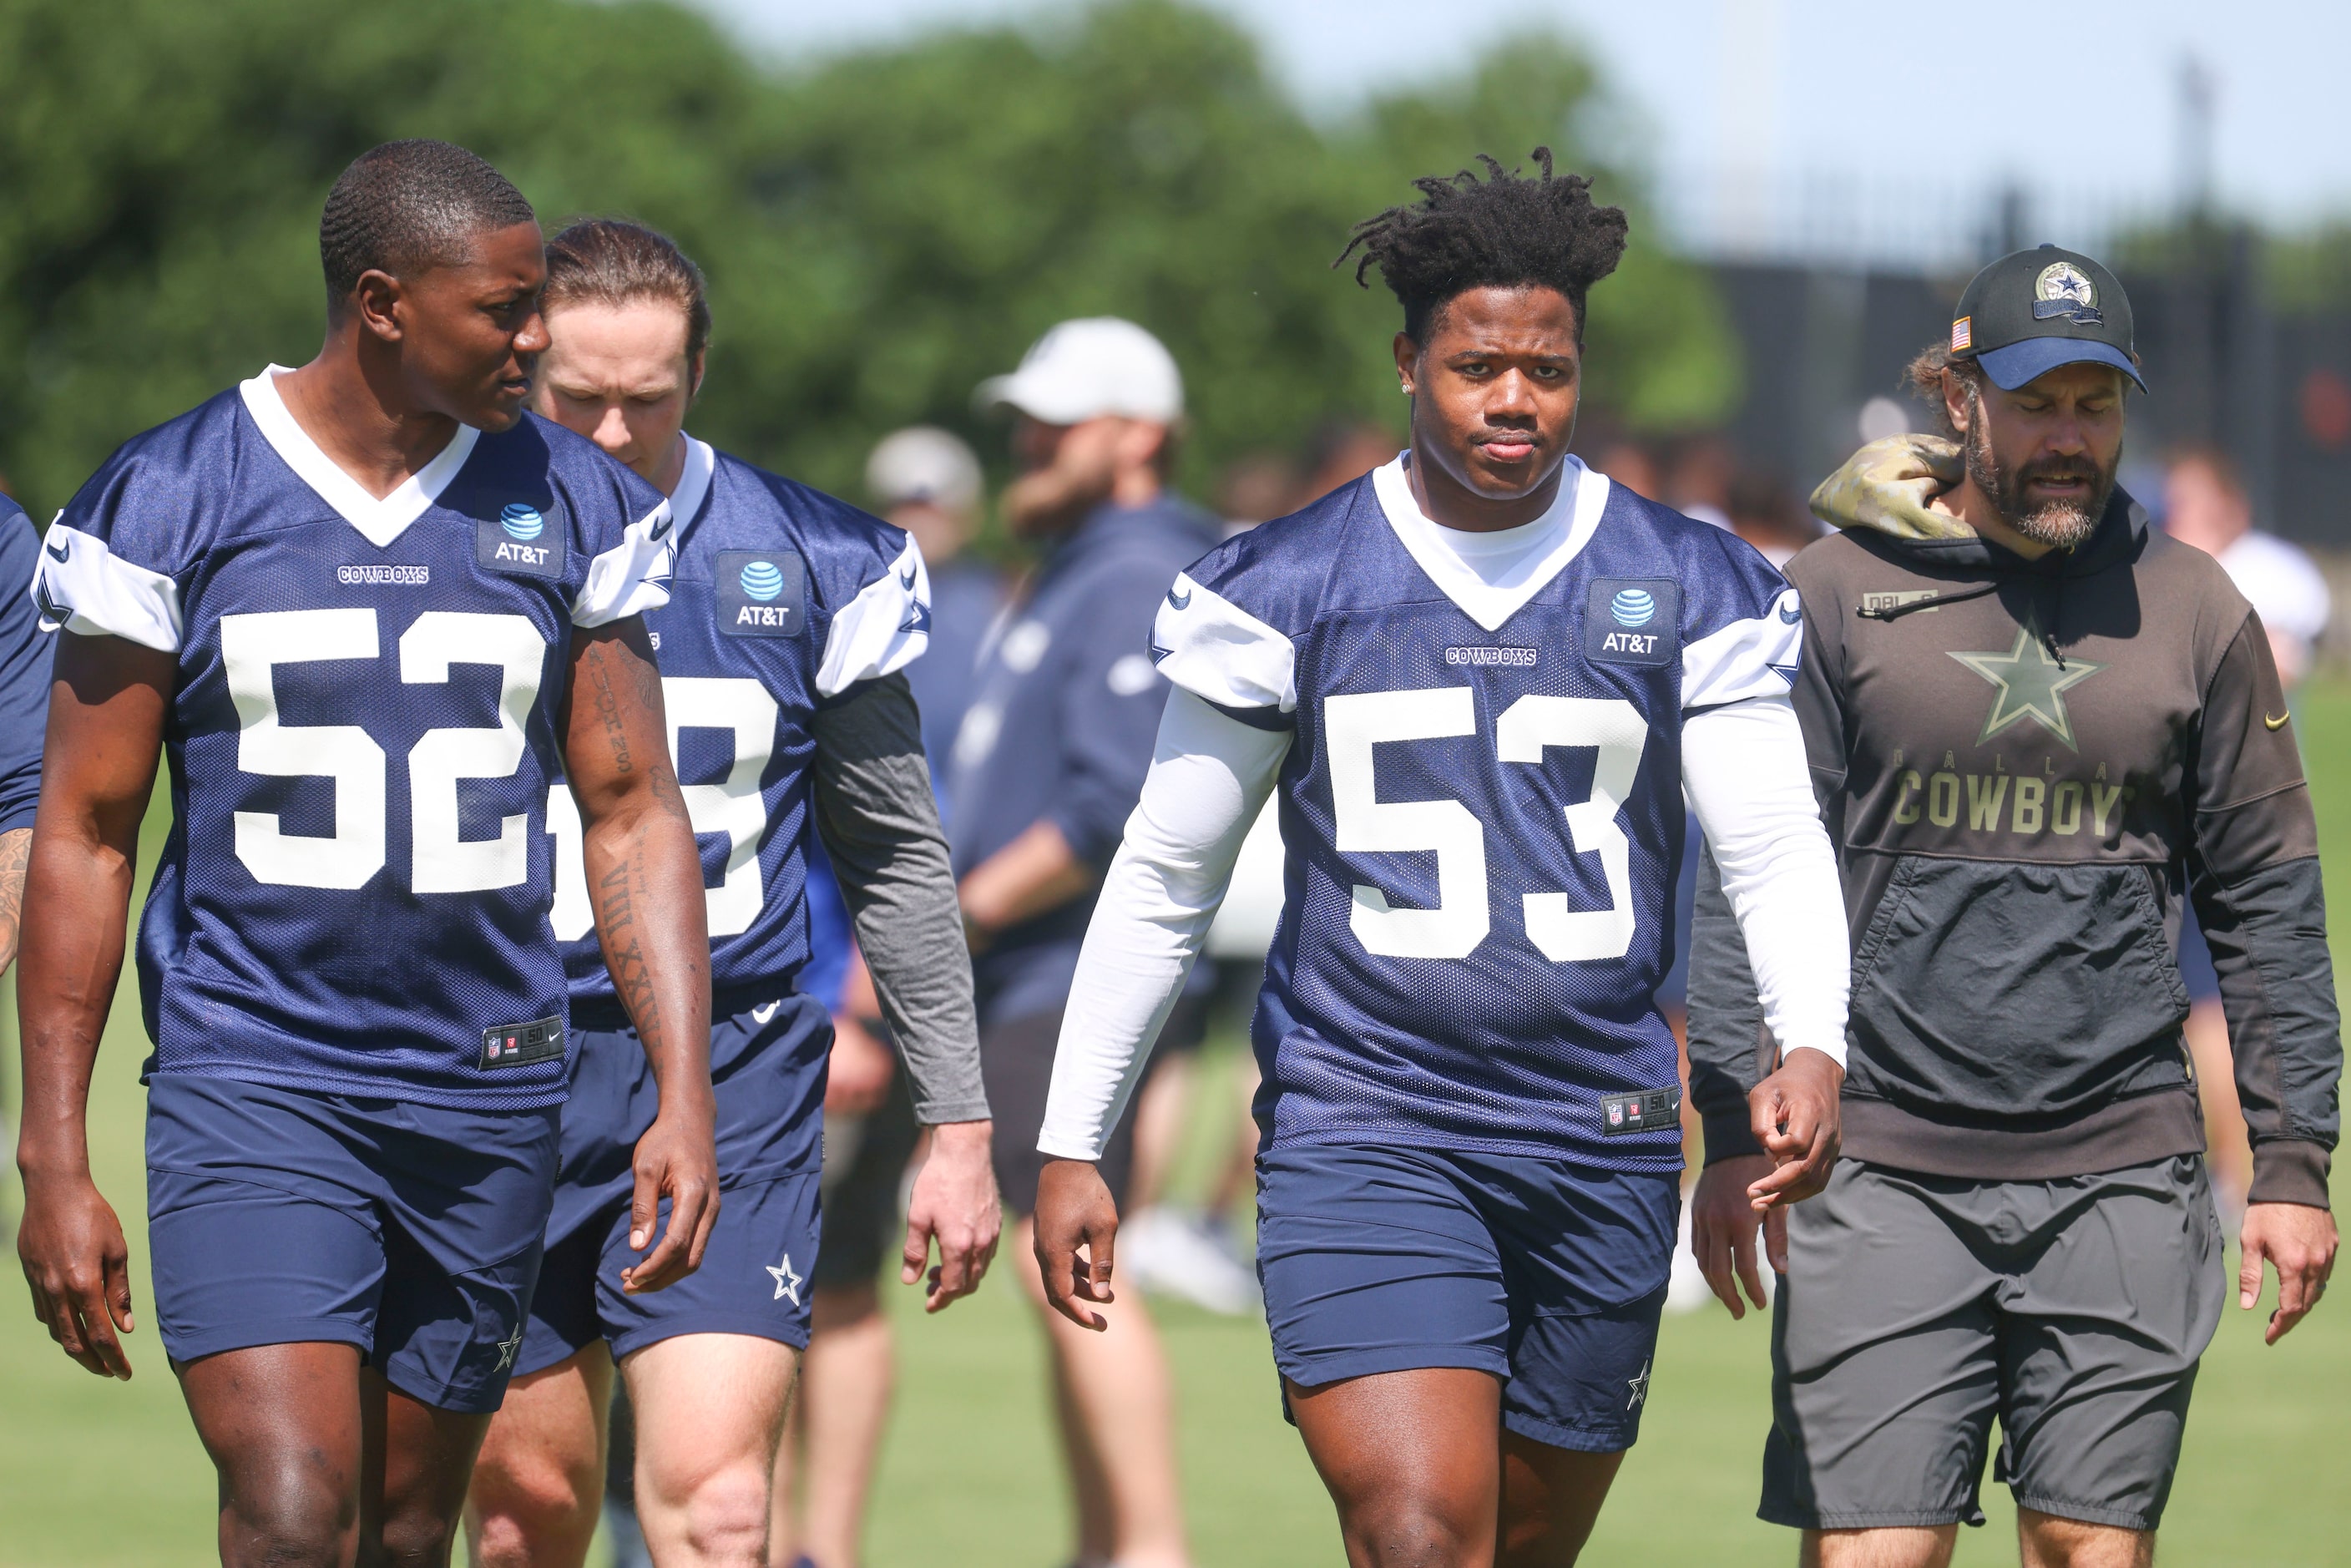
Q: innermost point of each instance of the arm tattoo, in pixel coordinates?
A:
(608, 712)
(16, 855)
(625, 952)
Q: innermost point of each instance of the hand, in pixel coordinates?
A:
(1722, 1229)
(1074, 1209)
(1795, 1115)
(2299, 1242)
(80, 1268)
(955, 1200)
(857, 1078)
(675, 1159)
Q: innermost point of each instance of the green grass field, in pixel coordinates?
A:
(95, 1474)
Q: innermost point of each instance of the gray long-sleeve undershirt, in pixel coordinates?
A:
(881, 825)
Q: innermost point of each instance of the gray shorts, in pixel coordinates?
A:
(1916, 1309)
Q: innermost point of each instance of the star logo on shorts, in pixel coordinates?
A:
(788, 1284)
(1640, 1387)
(508, 1346)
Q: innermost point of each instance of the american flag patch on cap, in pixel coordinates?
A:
(1963, 334)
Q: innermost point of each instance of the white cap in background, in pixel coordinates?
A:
(923, 463)
(1093, 366)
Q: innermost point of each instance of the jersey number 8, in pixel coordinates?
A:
(1353, 724)
(733, 806)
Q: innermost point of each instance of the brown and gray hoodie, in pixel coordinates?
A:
(2024, 765)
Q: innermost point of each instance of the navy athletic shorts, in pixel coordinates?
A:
(1547, 1274)
(281, 1217)
(767, 1081)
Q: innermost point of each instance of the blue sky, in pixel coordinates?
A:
(2081, 98)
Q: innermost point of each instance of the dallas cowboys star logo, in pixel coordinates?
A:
(1640, 1387)
(788, 1284)
(2029, 682)
(508, 1346)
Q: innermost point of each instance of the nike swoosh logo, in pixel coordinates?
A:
(58, 550)
(2277, 723)
(1176, 603)
(906, 580)
(1790, 620)
(668, 521)
(764, 1013)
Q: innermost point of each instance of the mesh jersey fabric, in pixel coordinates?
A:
(361, 737)
(1484, 821)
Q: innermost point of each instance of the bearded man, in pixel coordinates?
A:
(2034, 728)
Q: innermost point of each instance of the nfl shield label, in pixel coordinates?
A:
(1645, 1112)
(1632, 620)
(519, 538)
(762, 593)
(514, 1044)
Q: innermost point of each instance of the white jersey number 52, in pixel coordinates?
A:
(253, 647)
(1353, 724)
(744, 709)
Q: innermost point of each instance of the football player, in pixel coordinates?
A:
(790, 618)
(1477, 683)
(372, 612)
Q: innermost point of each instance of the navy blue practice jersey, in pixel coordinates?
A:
(1481, 811)
(781, 599)
(353, 897)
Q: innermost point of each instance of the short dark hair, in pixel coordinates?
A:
(1923, 377)
(1506, 231)
(612, 261)
(408, 207)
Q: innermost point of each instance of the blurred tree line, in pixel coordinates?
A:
(881, 230)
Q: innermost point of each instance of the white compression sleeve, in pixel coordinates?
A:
(1744, 768)
(1209, 776)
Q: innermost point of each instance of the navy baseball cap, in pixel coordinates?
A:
(2028, 313)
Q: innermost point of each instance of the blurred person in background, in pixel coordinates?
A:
(1257, 488)
(1766, 513)
(2205, 504)
(1698, 483)
(790, 618)
(1625, 459)
(926, 481)
(1047, 768)
(1340, 451)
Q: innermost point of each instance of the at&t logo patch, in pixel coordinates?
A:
(520, 541)
(1634, 623)
(761, 594)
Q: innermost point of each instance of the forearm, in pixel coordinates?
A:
(881, 825)
(645, 881)
(73, 959)
(1035, 873)
(1745, 769)
(643, 873)
(2267, 932)
(16, 852)
(1207, 784)
(1726, 1038)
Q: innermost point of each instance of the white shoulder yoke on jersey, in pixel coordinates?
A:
(82, 586)
(882, 630)
(1744, 768)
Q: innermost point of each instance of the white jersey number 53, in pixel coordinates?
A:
(744, 709)
(1353, 724)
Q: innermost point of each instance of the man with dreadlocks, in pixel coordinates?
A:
(1480, 679)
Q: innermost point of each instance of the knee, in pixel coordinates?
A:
(720, 1518)
(287, 1515)
(412, 1538)
(534, 1509)
(1417, 1530)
